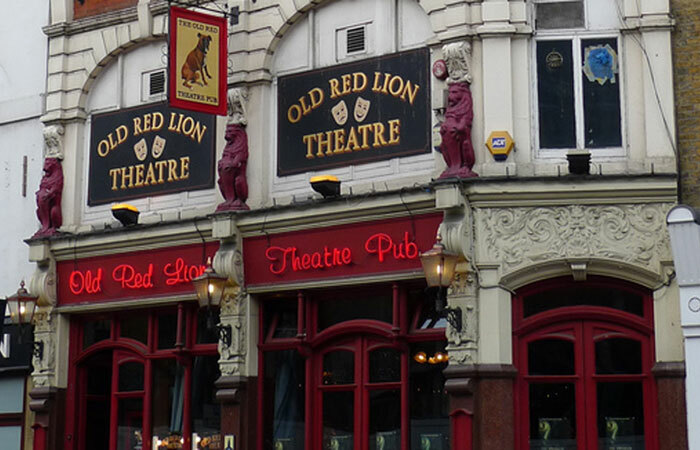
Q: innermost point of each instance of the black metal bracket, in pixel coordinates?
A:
(225, 334)
(198, 4)
(454, 318)
(38, 349)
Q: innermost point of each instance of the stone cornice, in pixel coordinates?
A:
(91, 23)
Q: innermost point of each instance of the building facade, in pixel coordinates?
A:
(562, 323)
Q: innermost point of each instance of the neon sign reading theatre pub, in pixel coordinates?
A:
(283, 259)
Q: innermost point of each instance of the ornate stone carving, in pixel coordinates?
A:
(234, 314)
(463, 347)
(53, 141)
(456, 130)
(44, 332)
(43, 283)
(229, 261)
(517, 237)
(236, 109)
(458, 59)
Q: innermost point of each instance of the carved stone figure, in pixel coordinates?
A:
(232, 166)
(232, 170)
(48, 198)
(456, 146)
(456, 130)
(53, 145)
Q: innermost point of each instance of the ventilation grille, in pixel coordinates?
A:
(156, 83)
(356, 40)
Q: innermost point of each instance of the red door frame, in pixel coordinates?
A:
(136, 351)
(583, 321)
(309, 342)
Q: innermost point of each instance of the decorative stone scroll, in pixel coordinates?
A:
(518, 237)
(234, 314)
(45, 332)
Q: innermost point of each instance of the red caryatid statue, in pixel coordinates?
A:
(48, 197)
(456, 146)
(232, 166)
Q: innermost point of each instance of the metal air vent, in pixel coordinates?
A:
(156, 83)
(355, 40)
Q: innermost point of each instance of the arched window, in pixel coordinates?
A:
(584, 353)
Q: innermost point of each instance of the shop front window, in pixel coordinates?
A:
(352, 370)
(141, 383)
(585, 367)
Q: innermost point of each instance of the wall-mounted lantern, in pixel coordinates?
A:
(209, 287)
(22, 306)
(439, 268)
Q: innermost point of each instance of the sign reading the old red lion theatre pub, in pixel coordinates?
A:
(388, 246)
(149, 150)
(354, 113)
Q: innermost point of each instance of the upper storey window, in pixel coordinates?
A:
(578, 75)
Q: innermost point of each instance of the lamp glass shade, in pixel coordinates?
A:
(21, 306)
(438, 265)
(209, 287)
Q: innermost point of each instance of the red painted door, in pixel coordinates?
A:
(360, 394)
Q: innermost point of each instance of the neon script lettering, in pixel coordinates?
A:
(86, 282)
(179, 272)
(282, 257)
(128, 277)
(380, 244)
(383, 245)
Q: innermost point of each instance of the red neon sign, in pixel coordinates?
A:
(346, 250)
(114, 277)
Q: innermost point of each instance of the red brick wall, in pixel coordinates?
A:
(88, 8)
(686, 60)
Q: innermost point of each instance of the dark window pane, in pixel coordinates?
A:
(99, 374)
(95, 331)
(385, 420)
(552, 416)
(577, 295)
(620, 416)
(362, 306)
(555, 94)
(206, 411)
(618, 355)
(167, 398)
(550, 357)
(167, 330)
(130, 377)
(282, 315)
(601, 93)
(284, 401)
(560, 15)
(339, 367)
(135, 327)
(129, 429)
(338, 420)
(428, 401)
(428, 318)
(384, 365)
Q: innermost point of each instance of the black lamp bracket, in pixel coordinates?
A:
(454, 317)
(225, 334)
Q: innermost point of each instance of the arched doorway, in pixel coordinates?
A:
(584, 353)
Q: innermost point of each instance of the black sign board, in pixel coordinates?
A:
(354, 113)
(3, 303)
(15, 349)
(150, 150)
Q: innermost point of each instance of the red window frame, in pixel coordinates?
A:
(361, 335)
(130, 350)
(584, 325)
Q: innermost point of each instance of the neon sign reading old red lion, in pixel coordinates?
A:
(126, 276)
(380, 244)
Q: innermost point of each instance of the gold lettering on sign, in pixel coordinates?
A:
(371, 135)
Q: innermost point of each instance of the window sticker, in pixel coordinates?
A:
(554, 60)
(600, 64)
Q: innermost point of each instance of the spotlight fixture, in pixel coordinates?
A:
(126, 214)
(326, 185)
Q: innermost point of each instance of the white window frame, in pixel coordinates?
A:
(576, 35)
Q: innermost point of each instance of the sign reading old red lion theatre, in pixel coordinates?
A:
(144, 274)
(389, 246)
(354, 113)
